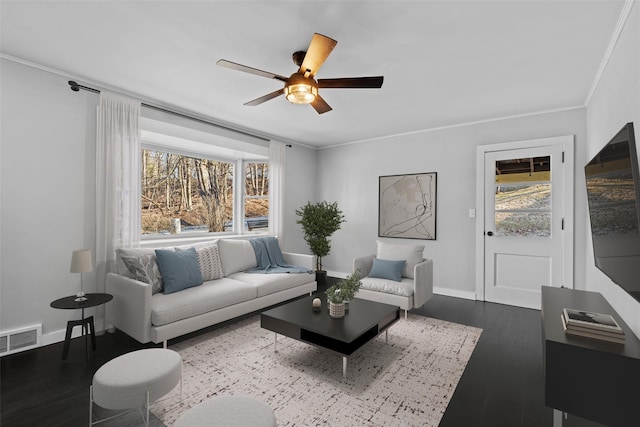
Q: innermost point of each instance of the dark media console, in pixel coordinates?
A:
(589, 378)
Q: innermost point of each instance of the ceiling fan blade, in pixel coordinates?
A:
(265, 98)
(320, 105)
(240, 67)
(318, 51)
(352, 83)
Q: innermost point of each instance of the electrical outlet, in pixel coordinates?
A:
(472, 213)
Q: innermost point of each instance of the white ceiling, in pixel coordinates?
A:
(444, 62)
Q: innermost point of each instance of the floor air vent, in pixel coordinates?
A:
(20, 339)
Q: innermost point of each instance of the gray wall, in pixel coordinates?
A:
(47, 192)
(615, 102)
(349, 175)
(299, 188)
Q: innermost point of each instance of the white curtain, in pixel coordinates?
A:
(276, 189)
(117, 180)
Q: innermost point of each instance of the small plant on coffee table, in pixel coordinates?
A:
(350, 286)
(342, 292)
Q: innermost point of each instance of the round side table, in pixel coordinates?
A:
(88, 327)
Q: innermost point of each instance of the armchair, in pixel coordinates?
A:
(408, 293)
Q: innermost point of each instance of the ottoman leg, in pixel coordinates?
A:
(90, 405)
(146, 407)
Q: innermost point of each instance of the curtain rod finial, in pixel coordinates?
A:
(74, 86)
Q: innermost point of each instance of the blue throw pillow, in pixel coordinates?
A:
(386, 269)
(179, 270)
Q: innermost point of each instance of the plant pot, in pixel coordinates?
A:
(321, 278)
(336, 310)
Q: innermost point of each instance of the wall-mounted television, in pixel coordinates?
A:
(613, 192)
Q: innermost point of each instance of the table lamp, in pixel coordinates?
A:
(81, 263)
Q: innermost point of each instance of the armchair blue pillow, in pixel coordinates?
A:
(386, 269)
(180, 270)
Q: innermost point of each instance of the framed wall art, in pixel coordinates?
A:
(407, 206)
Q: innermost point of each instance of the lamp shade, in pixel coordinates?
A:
(81, 261)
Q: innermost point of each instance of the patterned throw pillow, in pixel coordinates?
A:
(209, 260)
(145, 269)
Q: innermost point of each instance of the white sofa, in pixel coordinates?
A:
(156, 316)
(412, 285)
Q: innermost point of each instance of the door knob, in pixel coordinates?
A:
(489, 233)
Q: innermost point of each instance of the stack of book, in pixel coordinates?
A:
(592, 325)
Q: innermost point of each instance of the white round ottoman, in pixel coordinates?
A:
(135, 379)
(228, 411)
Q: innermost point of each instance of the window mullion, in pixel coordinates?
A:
(238, 197)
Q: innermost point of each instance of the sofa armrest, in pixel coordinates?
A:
(130, 309)
(422, 282)
(299, 260)
(363, 264)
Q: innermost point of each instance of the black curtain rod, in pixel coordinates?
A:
(76, 87)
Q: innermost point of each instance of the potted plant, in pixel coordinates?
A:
(319, 221)
(341, 293)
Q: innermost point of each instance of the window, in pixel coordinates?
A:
(182, 194)
(256, 196)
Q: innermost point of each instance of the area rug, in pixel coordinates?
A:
(405, 382)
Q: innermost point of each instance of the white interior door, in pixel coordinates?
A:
(523, 224)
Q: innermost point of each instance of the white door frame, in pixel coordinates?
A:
(567, 143)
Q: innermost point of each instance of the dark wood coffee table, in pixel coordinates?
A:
(364, 321)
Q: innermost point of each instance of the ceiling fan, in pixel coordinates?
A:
(301, 87)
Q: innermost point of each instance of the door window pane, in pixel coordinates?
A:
(523, 197)
(523, 224)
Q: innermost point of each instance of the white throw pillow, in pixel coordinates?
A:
(412, 254)
(236, 255)
(210, 264)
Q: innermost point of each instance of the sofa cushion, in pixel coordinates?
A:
(266, 284)
(180, 270)
(212, 295)
(236, 255)
(412, 254)
(386, 269)
(145, 269)
(403, 288)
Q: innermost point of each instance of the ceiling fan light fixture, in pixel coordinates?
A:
(300, 89)
(301, 93)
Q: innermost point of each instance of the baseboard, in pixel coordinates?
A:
(457, 293)
(337, 274)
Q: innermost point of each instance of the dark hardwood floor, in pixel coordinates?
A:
(501, 386)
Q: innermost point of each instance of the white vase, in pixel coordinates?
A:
(336, 310)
